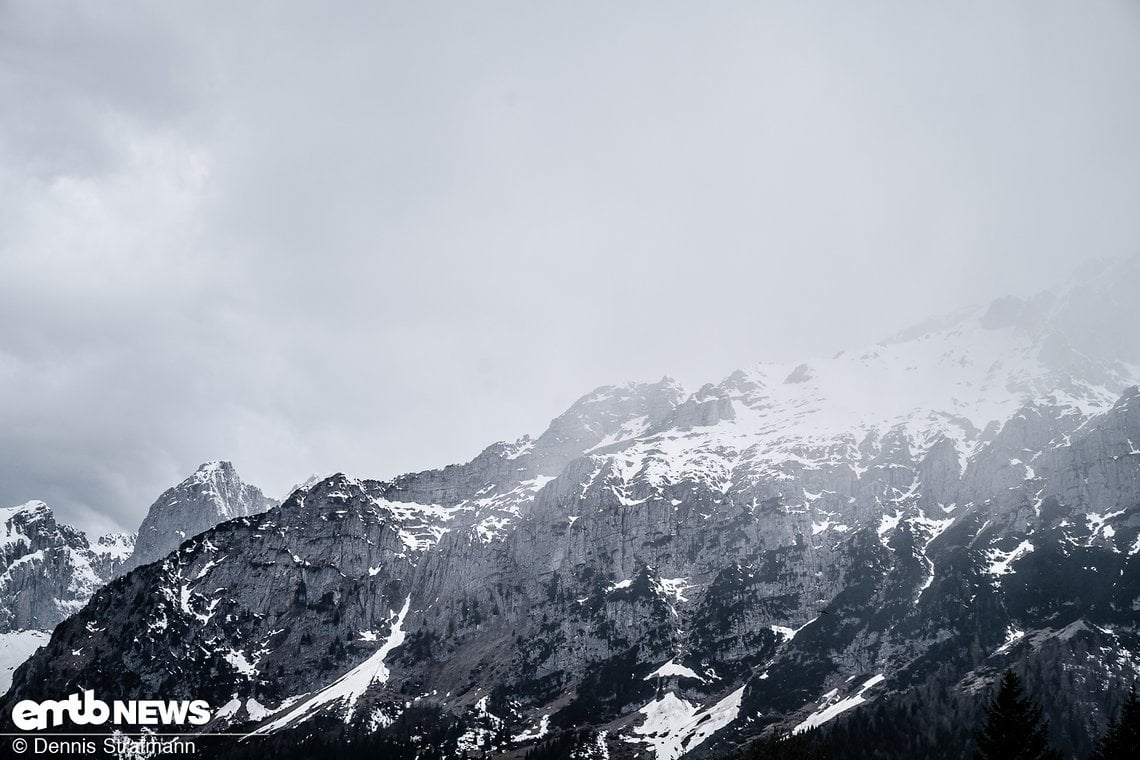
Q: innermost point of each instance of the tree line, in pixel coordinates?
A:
(1012, 729)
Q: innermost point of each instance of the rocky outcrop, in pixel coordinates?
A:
(49, 570)
(213, 494)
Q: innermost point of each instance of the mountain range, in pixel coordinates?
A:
(49, 570)
(836, 545)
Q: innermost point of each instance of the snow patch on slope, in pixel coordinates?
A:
(832, 707)
(351, 686)
(674, 726)
(948, 381)
(15, 648)
(671, 669)
(1000, 561)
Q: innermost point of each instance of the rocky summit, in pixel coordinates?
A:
(213, 494)
(47, 571)
(859, 545)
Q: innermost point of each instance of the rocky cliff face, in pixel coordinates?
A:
(213, 494)
(667, 574)
(50, 570)
(47, 572)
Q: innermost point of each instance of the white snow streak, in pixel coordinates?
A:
(15, 648)
(672, 668)
(1000, 561)
(349, 687)
(830, 708)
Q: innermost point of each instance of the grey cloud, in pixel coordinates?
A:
(332, 238)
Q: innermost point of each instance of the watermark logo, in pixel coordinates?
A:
(86, 710)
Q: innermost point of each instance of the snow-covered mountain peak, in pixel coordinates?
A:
(48, 570)
(306, 484)
(608, 407)
(215, 472)
(952, 381)
(212, 494)
(606, 415)
(954, 374)
(15, 521)
(116, 547)
(974, 376)
(32, 525)
(28, 510)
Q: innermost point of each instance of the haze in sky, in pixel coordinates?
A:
(322, 237)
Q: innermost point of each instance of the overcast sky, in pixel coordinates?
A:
(318, 237)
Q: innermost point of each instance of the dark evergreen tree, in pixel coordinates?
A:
(1013, 729)
(804, 746)
(1122, 739)
(559, 747)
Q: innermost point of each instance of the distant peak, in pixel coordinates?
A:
(708, 391)
(208, 471)
(337, 482)
(216, 465)
(214, 493)
(666, 383)
(306, 484)
(27, 508)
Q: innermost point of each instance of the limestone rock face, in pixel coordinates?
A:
(49, 570)
(112, 552)
(213, 494)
